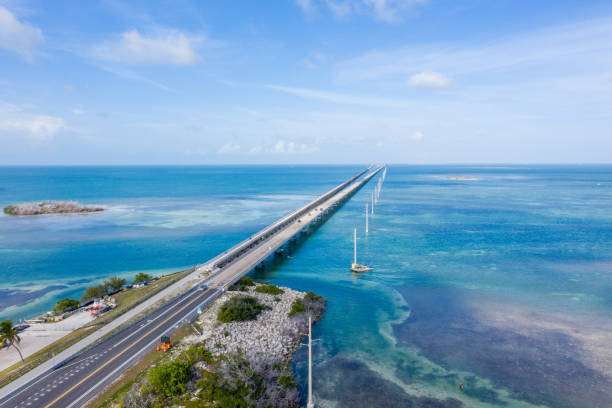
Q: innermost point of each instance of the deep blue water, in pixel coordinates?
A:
(502, 282)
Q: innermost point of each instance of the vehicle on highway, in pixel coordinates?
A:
(165, 344)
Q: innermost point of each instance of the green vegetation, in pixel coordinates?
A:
(311, 296)
(243, 284)
(125, 301)
(169, 379)
(297, 307)
(269, 289)
(114, 283)
(142, 277)
(111, 285)
(49, 207)
(287, 381)
(311, 303)
(240, 308)
(65, 305)
(8, 335)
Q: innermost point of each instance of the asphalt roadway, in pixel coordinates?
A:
(88, 372)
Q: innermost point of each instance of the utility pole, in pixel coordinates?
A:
(372, 203)
(310, 403)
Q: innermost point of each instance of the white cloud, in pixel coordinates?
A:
(77, 111)
(314, 60)
(18, 37)
(342, 99)
(284, 147)
(389, 10)
(255, 150)
(164, 47)
(133, 76)
(307, 6)
(228, 148)
(418, 135)
(429, 79)
(383, 10)
(15, 122)
(565, 48)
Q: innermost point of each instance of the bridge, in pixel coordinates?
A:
(80, 376)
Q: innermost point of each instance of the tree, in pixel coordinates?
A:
(65, 305)
(94, 292)
(8, 335)
(115, 283)
(142, 277)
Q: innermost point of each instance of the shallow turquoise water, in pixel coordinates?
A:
(502, 282)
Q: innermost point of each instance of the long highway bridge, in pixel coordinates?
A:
(78, 378)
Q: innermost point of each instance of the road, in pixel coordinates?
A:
(91, 370)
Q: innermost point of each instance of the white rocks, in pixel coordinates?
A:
(273, 336)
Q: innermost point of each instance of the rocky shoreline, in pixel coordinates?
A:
(245, 362)
(50, 207)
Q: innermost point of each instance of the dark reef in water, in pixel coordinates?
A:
(542, 369)
(354, 385)
(11, 297)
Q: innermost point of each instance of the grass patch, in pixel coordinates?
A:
(269, 290)
(240, 308)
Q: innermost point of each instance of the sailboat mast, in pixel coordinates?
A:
(355, 245)
(366, 218)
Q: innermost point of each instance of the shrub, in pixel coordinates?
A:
(311, 302)
(287, 381)
(10, 210)
(269, 289)
(240, 309)
(242, 285)
(169, 379)
(65, 305)
(142, 277)
(314, 297)
(197, 353)
(297, 307)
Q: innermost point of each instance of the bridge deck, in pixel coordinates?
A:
(91, 370)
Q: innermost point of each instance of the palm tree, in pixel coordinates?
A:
(8, 334)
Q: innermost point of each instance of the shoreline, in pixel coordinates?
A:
(262, 347)
(48, 208)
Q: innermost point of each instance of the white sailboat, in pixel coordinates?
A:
(355, 267)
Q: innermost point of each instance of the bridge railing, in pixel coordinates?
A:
(272, 229)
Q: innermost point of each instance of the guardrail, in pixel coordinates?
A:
(239, 249)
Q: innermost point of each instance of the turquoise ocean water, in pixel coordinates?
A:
(495, 277)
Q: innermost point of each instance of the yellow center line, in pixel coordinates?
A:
(129, 347)
(157, 327)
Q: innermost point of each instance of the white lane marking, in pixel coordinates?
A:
(55, 371)
(104, 380)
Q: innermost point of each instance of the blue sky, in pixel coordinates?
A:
(305, 81)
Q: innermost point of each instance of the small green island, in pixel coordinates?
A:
(50, 207)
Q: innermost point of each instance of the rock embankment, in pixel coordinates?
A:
(50, 207)
(233, 361)
(273, 336)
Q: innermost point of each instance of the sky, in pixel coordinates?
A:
(305, 81)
